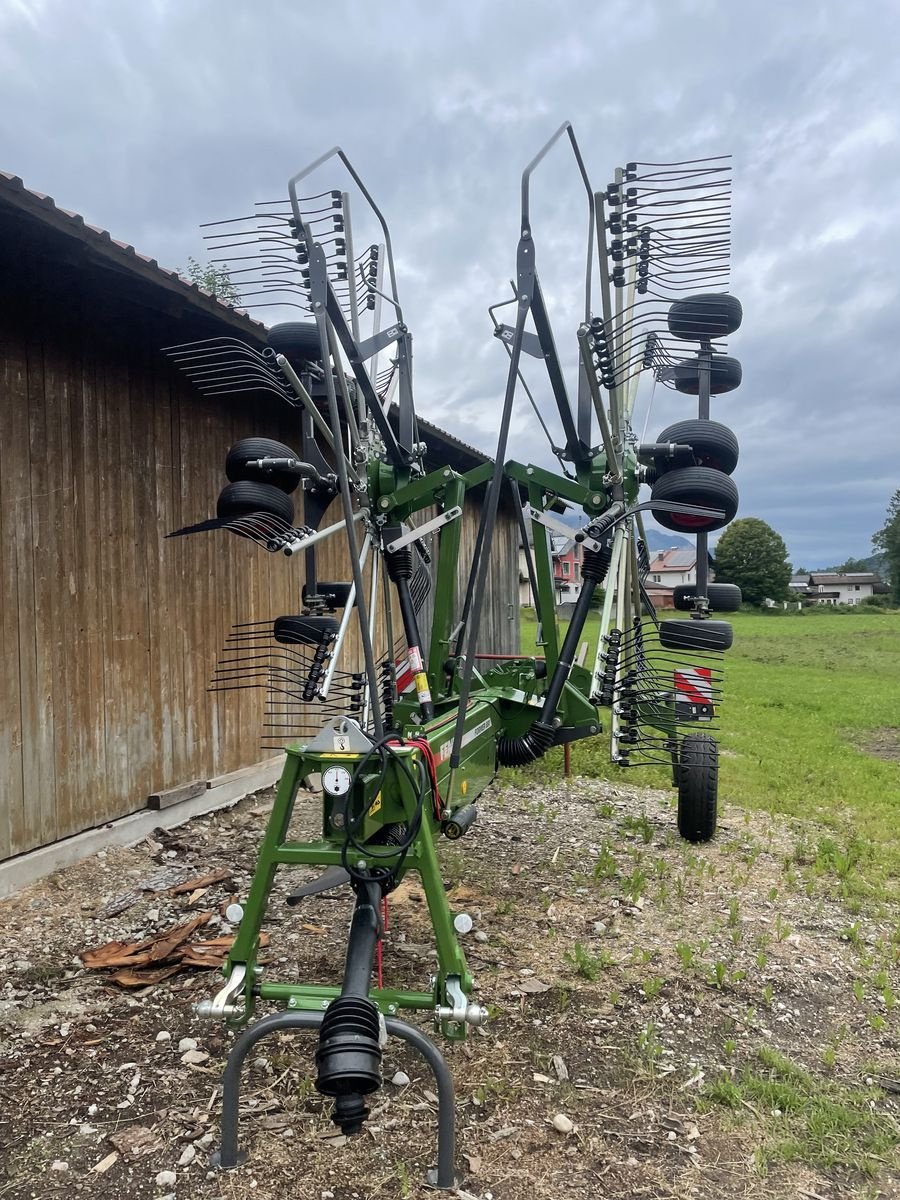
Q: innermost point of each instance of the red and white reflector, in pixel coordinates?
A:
(693, 685)
(406, 676)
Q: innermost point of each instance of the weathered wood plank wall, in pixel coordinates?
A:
(109, 633)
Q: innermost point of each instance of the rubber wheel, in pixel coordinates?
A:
(722, 597)
(695, 485)
(714, 445)
(306, 631)
(725, 374)
(249, 449)
(695, 635)
(296, 339)
(698, 787)
(243, 498)
(705, 317)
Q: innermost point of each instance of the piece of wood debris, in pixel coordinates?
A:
(119, 904)
(169, 796)
(532, 987)
(104, 1164)
(135, 1141)
(201, 881)
(127, 978)
(559, 1066)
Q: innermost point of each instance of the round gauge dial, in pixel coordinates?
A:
(336, 781)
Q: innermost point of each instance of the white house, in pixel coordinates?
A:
(832, 588)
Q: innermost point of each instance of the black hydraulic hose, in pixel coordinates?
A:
(569, 650)
(399, 565)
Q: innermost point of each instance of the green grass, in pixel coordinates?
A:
(800, 692)
(816, 1121)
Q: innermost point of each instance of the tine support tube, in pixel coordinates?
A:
(606, 613)
(305, 399)
(345, 623)
(612, 457)
(306, 543)
(320, 293)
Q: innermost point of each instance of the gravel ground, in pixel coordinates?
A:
(628, 975)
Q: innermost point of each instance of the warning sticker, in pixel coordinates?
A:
(447, 747)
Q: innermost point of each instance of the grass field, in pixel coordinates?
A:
(809, 699)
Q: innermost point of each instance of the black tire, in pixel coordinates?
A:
(722, 597)
(698, 787)
(714, 445)
(695, 635)
(705, 317)
(243, 498)
(249, 449)
(695, 485)
(724, 376)
(296, 339)
(305, 631)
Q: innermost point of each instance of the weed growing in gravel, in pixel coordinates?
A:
(605, 866)
(652, 987)
(590, 966)
(649, 1045)
(403, 1180)
(635, 885)
(782, 929)
(639, 825)
(685, 952)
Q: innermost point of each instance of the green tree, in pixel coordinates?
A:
(214, 279)
(887, 541)
(853, 566)
(751, 554)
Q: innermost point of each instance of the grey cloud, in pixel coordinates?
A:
(151, 118)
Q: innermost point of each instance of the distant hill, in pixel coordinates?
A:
(875, 562)
(657, 540)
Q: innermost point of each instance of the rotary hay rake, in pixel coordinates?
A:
(407, 726)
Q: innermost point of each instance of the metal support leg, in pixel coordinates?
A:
(228, 1155)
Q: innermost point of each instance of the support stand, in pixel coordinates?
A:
(228, 1156)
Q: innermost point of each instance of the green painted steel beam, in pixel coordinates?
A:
(312, 997)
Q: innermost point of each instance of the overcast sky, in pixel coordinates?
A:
(154, 116)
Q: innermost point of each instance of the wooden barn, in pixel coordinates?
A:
(109, 633)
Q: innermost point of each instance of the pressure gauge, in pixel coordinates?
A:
(336, 781)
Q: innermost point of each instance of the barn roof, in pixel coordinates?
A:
(95, 247)
(98, 247)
